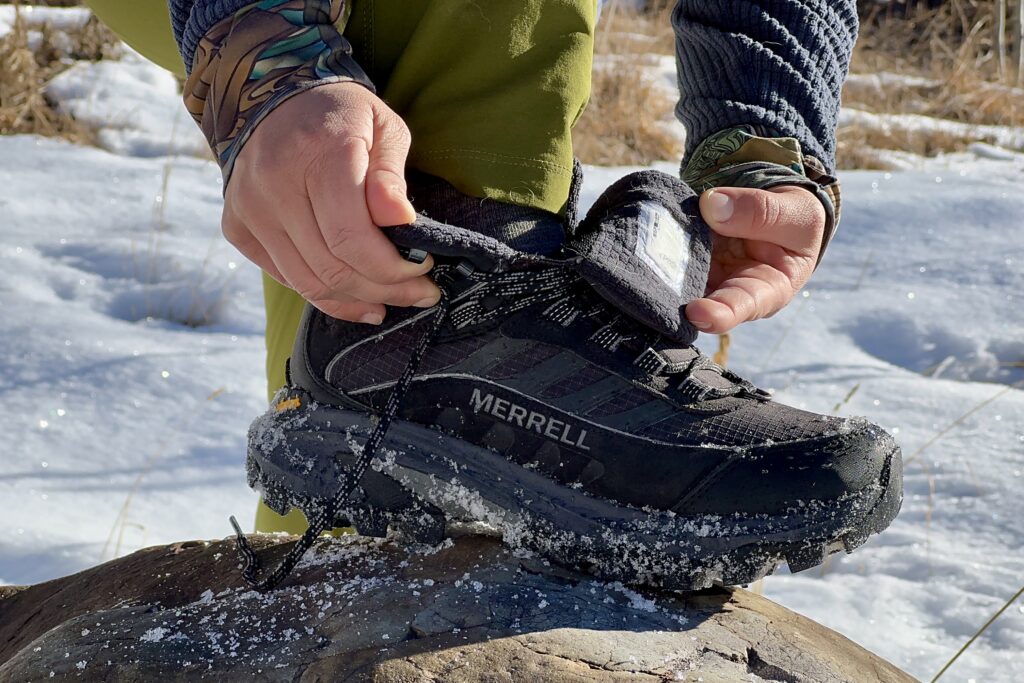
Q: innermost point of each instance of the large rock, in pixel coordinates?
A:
(361, 609)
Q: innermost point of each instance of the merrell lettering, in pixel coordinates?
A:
(503, 409)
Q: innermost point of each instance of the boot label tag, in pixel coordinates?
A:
(663, 245)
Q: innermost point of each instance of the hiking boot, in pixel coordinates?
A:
(559, 400)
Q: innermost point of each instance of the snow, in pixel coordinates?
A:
(124, 427)
(132, 364)
(1003, 136)
(136, 106)
(58, 18)
(154, 635)
(57, 22)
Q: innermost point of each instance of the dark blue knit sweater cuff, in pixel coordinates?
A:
(778, 65)
(193, 20)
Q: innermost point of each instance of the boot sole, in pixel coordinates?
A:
(423, 481)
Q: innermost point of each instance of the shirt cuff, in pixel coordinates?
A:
(249, 63)
(739, 157)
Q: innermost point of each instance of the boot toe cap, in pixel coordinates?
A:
(772, 477)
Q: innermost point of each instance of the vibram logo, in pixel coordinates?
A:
(556, 430)
(289, 404)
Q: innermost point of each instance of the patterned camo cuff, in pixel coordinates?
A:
(737, 157)
(257, 58)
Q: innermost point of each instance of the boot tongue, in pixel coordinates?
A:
(647, 251)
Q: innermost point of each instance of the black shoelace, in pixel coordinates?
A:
(325, 518)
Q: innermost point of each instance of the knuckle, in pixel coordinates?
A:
(769, 209)
(802, 273)
(338, 278)
(400, 132)
(747, 305)
(817, 214)
(352, 144)
(339, 241)
(314, 292)
(233, 233)
(392, 124)
(342, 156)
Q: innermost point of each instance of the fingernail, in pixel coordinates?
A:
(720, 206)
(372, 319)
(700, 325)
(426, 303)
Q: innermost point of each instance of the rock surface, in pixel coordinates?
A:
(361, 609)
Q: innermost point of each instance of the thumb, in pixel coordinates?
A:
(386, 197)
(788, 216)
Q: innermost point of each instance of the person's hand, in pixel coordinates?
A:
(308, 193)
(765, 246)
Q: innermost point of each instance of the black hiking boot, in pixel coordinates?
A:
(559, 400)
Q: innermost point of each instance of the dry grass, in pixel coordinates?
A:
(950, 54)
(860, 147)
(950, 49)
(629, 118)
(26, 65)
(627, 31)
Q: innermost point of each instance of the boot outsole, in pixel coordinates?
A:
(424, 481)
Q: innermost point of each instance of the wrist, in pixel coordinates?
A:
(738, 157)
(249, 63)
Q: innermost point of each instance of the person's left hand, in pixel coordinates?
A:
(765, 247)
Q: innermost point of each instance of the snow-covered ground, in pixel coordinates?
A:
(131, 364)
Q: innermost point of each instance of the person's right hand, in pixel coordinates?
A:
(308, 193)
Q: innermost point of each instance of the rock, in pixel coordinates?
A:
(365, 609)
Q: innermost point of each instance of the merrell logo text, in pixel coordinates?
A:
(527, 419)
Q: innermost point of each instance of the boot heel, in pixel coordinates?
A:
(298, 456)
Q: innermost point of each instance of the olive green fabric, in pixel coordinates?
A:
(146, 26)
(490, 90)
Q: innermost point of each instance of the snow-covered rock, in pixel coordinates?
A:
(361, 609)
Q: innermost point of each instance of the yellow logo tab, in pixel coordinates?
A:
(289, 404)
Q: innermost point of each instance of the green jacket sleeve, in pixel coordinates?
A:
(146, 26)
